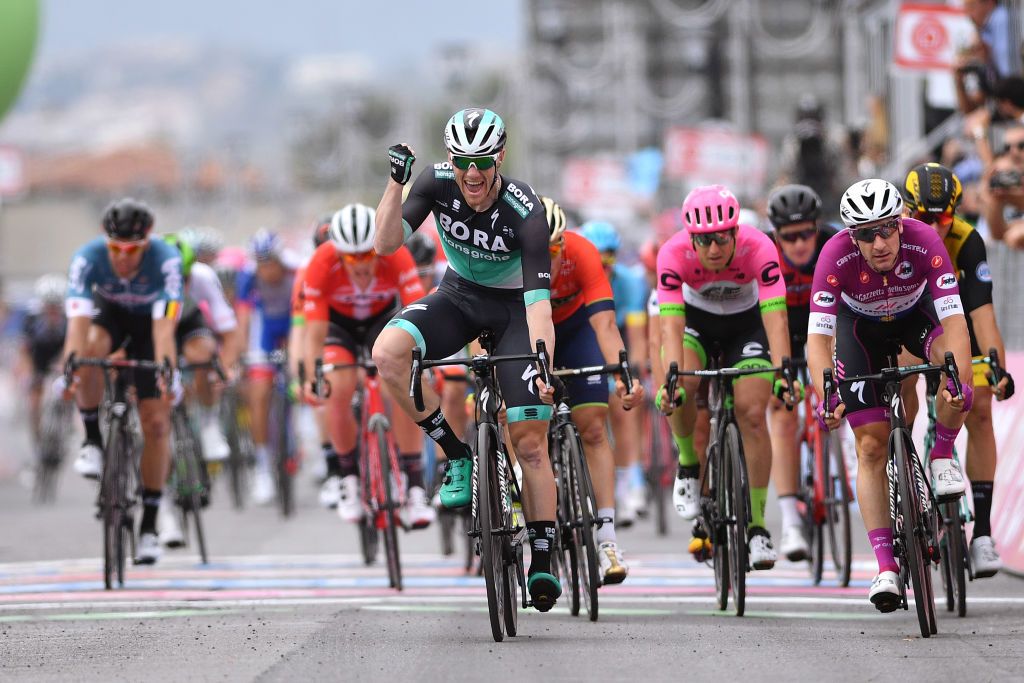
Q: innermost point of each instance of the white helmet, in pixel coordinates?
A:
(352, 228)
(870, 200)
(474, 132)
(49, 289)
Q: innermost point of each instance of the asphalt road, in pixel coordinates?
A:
(286, 600)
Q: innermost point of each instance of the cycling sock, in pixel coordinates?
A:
(91, 420)
(688, 472)
(636, 476)
(758, 500)
(881, 543)
(605, 532)
(262, 455)
(348, 463)
(944, 438)
(208, 414)
(331, 458)
(438, 429)
(412, 465)
(790, 514)
(687, 456)
(150, 505)
(982, 493)
(622, 477)
(542, 537)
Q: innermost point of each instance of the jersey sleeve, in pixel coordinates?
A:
(81, 277)
(940, 278)
(975, 274)
(408, 280)
(771, 288)
(245, 288)
(298, 297)
(420, 202)
(597, 291)
(826, 290)
(168, 300)
(536, 258)
(315, 306)
(205, 288)
(652, 304)
(670, 279)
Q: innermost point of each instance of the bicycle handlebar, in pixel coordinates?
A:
(894, 374)
(674, 373)
(622, 368)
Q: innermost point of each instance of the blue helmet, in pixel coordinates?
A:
(265, 245)
(601, 234)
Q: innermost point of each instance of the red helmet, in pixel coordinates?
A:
(710, 208)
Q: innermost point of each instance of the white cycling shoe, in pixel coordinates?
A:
(264, 489)
(984, 558)
(885, 592)
(947, 477)
(167, 522)
(794, 544)
(330, 492)
(613, 567)
(761, 552)
(350, 507)
(89, 462)
(148, 551)
(417, 513)
(686, 497)
(215, 446)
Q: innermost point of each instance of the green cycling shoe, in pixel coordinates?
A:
(544, 590)
(456, 489)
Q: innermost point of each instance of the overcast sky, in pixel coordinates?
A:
(390, 32)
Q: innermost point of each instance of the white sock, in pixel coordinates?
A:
(790, 515)
(621, 482)
(262, 454)
(606, 532)
(208, 414)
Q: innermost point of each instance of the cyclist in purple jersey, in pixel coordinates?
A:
(885, 283)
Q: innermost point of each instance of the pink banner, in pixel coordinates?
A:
(1008, 505)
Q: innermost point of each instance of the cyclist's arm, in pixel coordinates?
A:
(671, 308)
(78, 305)
(654, 338)
(538, 321)
(164, 346)
(608, 337)
(315, 309)
(776, 327)
(636, 335)
(314, 338)
(296, 348)
(771, 295)
(948, 304)
(536, 263)
(819, 356)
(395, 221)
(987, 331)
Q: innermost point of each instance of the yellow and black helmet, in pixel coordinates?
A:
(932, 188)
(555, 217)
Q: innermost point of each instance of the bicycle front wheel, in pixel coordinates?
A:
(953, 558)
(583, 523)
(913, 533)
(837, 508)
(389, 479)
(236, 455)
(489, 512)
(737, 514)
(281, 412)
(716, 526)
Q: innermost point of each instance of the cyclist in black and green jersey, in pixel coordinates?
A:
(495, 236)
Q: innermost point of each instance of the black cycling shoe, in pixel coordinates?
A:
(544, 590)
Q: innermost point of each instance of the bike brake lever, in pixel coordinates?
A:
(953, 373)
(415, 381)
(827, 389)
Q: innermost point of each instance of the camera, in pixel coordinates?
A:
(1005, 180)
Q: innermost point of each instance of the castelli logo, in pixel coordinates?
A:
(864, 277)
(832, 280)
(936, 261)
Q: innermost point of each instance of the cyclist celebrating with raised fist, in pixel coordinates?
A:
(495, 236)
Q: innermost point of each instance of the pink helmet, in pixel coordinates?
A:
(710, 208)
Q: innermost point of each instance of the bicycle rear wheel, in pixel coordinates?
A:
(837, 507)
(280, 410)
(511, 566)
(954, 565)
(737, 514)
(568, 559)
(388, 480)
(583, 524)
(914, 541)
(715, 525)
(368, 540)
(236, 456)
(659, 461)
(489, 512)
(813, 454)
(190, 485)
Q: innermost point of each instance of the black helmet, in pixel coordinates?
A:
(423, 248)
(793, 204)
(127, 219)
(932, 188)
(322, 230)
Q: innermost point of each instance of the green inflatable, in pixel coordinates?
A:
(19, 25)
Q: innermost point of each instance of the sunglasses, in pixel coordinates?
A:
(942, 219)
(721, 238)
(798, 235)
(608, 259)
(126, 248)
(884, 230)
(482, 163)
(361, 257)
(1019, 146)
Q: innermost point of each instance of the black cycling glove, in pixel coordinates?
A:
(1008, 390)
(402, 159)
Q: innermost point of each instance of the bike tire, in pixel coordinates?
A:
(838, 509)
(389, 479)
(236, 458)
(186, 453)
(738, 514)
(282, 443)
(512, 561)
(112, 511)
(817, 453)
(570, 563)
(368, 540)
(590, 569)
(715, 527)
(488, 507)
(956, 549)
(913, 547)
(657, 463)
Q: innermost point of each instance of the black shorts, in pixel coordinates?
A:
(798, 331)
(740, 337)
(135, 334)
(576, 347)
(445, 321)
(865, 346)
(352, 335)
(191, 325)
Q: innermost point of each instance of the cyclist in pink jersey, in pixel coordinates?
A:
(884, 283)
(720, 287)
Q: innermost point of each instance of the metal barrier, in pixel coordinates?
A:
(1008, 285)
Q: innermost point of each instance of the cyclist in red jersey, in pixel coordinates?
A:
(586, 334)
(793, 211)
(351, 293)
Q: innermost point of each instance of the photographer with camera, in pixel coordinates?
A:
(1002, 191)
